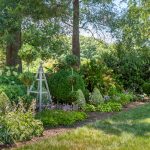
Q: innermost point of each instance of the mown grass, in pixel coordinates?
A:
(124, 131)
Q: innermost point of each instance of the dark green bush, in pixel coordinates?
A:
(18, 126)
(13, 91)
(131, 67)
(146, 88)
(60, 87)
(109, 107)
(52, 118)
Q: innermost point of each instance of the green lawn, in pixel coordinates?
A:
(124, 131)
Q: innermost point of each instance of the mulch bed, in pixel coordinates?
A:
(92, 117)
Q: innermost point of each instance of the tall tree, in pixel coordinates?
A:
(89, 15)
(75, 36)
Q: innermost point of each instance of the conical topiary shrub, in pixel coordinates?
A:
(96, 97)
(80, 99)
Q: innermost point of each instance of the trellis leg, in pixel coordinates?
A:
(49, 95)
(40, 98)
(72, 76)
(31, 87)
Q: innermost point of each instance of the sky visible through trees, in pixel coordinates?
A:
(121, 5)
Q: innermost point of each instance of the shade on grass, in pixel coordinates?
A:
(124, 131)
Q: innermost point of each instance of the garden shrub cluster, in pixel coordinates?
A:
(123, 98)
(96, 74)
(52, 118)
(115, 101)
(105, 107)
(18, 126)
(17, 123)
(131, 68)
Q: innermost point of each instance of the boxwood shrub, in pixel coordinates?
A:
(60, 85)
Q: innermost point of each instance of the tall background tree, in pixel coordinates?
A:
(75, 36)
(12, 16)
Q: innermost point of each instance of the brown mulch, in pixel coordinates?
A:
(92, 117)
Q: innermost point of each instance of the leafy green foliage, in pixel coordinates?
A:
(123, 98)
(27, 78)
(112, 91)
(18, 126)
(92, 48)
(60, 86)
(8, 75)
(96, 97)
(80, 99)
(89, 108)
(109, 107)
(146, 88)
(13, 91)
(131, 58)
(52, 118)
(96, 74)
(28, 53)
(71, 60)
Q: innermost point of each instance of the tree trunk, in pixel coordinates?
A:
(12, 49)
(75, 36)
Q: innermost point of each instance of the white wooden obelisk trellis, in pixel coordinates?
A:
(41, 79)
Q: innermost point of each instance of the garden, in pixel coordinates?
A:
(74, 91)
